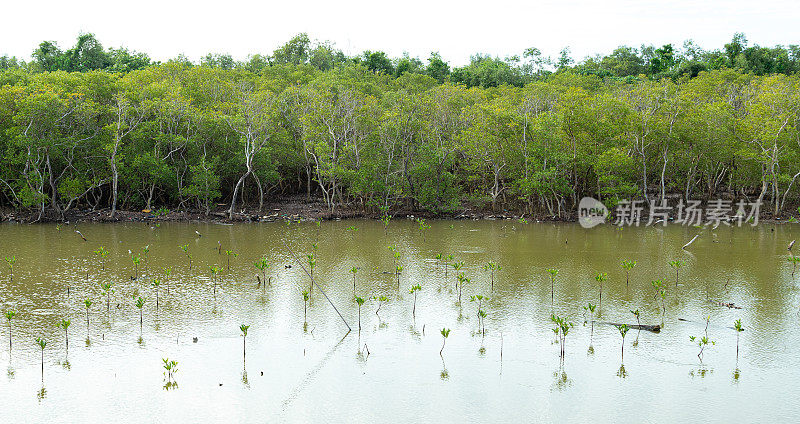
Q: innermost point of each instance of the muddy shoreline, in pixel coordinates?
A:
(296, 208)
(282, 209)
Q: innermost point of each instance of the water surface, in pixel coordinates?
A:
(318, 372)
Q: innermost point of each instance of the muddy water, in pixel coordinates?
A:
(391, 370)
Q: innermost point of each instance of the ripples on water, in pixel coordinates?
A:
(318, 372)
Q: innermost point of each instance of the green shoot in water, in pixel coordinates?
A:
(107, 288)
(386, 219)
(215, 272)
(445, 334)
(703, 341)
(244, 329)
(262, 266)
(414, 289)
(88, 304)
(562, 327)
(636, 314)
(185, 249)
(102, 253)
(661, 291)
(228, 254)
(381, 300)
(460, 281)
(794, 260)
(136, 259)
(167, 274)
(156, 284)
(42, 343)
(140, 304)
(170, 368)
(677, 266)
(353, 271)
(305, 305)
(10, 314)
(65, 325)
(553, 272)
(623, 330)
(11, 261)
(599, 278)
(737, 325)
(492, 267)
(360, 302)
(628, 266)
(447, 259)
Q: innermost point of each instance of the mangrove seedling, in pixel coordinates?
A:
(590, 308)
(185, 249)
(312, 261)
(492, 267)
(262, 266)
(42, 343)
(228, 254)
(457, 267)
(385, 219)
(360, 302)
(794, 260)
(553, 272)
(102, 253)
(170, 368)
(215, 271)
(65, 325)
(677, 266)
(11, 261)
(9, 316)
(636, 314)
(140, 304)
(447, 260)
(244, 329)
(88, 304)
(305, 305)
(703, 341)
(600, 278)
(156, 284)
(461, 280)
(414, 289)
(445, 334)
(623, 330)
(438, 260)
(477, 298)
(627, 266)
(353, 271)
(107, 288)
(135, 259)
(737, 325)
(167, 274)
(482, 320)
(381, 300)
(562, 327)
(661, 291)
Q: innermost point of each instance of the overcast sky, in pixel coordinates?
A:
(457, 29)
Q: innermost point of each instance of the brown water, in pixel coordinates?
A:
(113, 370)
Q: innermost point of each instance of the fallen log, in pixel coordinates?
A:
(652, 328)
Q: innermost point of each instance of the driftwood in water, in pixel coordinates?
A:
(730, 305)
(690, 241)
(653, 328)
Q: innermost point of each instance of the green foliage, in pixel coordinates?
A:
(92, 127)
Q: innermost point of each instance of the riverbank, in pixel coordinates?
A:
(294, 208)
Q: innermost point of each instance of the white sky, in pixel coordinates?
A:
(457, 29)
